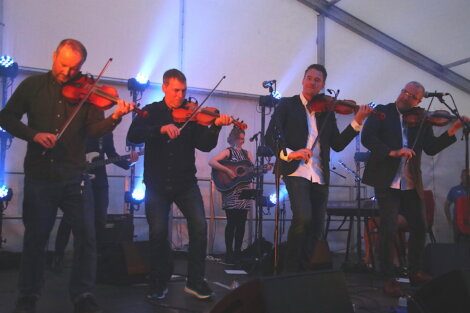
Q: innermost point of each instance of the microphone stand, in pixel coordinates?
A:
(359, 266)
(465, 131)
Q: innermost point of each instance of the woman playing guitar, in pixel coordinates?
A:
(235, 208)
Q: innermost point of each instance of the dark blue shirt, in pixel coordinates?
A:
(456, 192)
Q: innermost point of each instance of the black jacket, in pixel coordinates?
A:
(382, 136)
(289, 123)
(170, 163)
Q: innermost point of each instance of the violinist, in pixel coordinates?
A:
(54, 179)
(305, 170)
(170, 176)
(394, 171)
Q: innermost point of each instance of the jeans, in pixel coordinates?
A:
(100, 199)
(407, 203)
(308, 204)
(157, 208)
(41, 201)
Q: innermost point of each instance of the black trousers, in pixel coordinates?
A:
(407, 203)
(235, 229)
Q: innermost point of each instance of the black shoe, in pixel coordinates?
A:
(158, 292)
(26, 304)
(87, 304)
(198, 289)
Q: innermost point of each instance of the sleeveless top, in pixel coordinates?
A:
(231, 198)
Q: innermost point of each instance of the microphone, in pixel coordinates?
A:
(435, 94)
(255, 136)
(268, 83)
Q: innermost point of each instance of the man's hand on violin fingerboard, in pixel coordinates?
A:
(222, 120)
(122, 109)
(457, 125)
(170, 130)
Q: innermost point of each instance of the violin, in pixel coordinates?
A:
(414, 116)
(103, 97)
(324, 103)
(205, 116)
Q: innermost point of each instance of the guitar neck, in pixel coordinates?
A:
(115, 159)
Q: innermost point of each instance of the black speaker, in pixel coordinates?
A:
(441, 258)
(308, 292)
(447, 293)
(123, 263)
(118, 228)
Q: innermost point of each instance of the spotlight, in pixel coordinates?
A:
(139, 83)
(142, 79)
(8, 67)
(276, 95)
(282, 195)
(5, 193)
(266, 201)
(137, 196)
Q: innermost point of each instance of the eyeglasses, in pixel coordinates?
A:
(408, 94)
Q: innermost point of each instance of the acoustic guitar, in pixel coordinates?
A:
(245, 173)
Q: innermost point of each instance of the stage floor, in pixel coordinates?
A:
(364, 291)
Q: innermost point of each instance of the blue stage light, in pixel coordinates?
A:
(5, 193)
(6, 61)
(276, 94)
(8, 66)
(142, 79)
(137, 196)
(139, 193)
(138, 84)
(282, 195)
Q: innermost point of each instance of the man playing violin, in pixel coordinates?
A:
(53, 173)
(394, 170)
(292, 132)
(170, 176)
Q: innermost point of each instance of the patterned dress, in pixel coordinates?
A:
(231, 198)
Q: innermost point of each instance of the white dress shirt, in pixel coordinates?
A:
(312, 170)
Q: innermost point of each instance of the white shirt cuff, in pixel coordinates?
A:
(283, 156)
(355, 125)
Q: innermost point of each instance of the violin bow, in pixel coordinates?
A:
(80, 104)
(420, 129)
(199, 107)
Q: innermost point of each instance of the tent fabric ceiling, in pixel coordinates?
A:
(437, 29)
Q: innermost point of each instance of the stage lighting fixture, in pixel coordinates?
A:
(8, 67)
(276, 94)
(139, 83)
(5, 193)
(270, 101)
(267, 202)
(282, 195)
(137, 196)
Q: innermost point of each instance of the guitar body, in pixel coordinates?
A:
(244, 170)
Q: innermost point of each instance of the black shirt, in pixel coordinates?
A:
(40, 98)
(170, 163)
